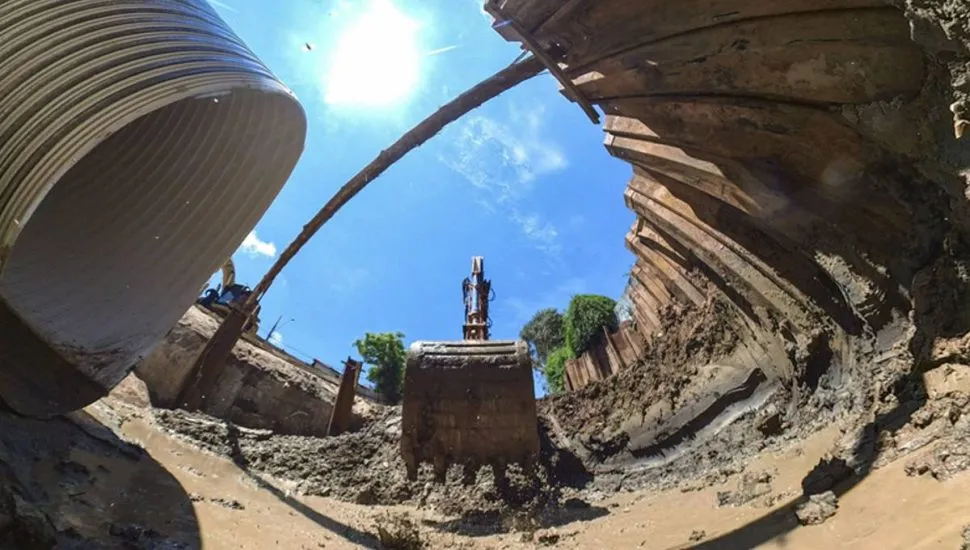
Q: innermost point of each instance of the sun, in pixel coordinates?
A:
(376, 61)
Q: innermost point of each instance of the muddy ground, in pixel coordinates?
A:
(123, 475)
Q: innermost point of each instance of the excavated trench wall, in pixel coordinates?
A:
(794, 159)
(257, 389)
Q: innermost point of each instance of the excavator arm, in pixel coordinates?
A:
(228, 274)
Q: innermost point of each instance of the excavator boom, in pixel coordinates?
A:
(469, 402)
(228, 273)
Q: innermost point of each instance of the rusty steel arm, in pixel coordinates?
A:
(503, 80)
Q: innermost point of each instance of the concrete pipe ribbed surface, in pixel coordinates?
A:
(140, 141)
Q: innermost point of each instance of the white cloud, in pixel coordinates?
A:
(624, 307)
(254, 247)
(479, 6)
(276, 339)
(347, 279)
(440, 51)
(541, 233)
(503, 160)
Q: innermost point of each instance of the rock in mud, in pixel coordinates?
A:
(698, 535)
(549, 538)
(826, 474)
(229, 503)
(966, 538)
(818, 508)
(949, 457)
(366, 497)
(399, 532)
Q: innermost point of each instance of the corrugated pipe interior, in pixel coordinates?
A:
(140, 141)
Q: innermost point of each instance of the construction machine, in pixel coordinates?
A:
(472, 401)
(230, 293)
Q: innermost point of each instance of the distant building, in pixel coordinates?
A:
(327, 369)
(624, 306)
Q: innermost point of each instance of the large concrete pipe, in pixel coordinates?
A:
(140, 141)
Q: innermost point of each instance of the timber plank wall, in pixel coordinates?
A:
(614, 351)
(766, 139)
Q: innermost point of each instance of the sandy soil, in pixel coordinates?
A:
(887, 509)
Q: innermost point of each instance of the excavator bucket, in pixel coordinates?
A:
(471, 403)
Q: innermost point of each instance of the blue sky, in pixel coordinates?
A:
(523, 180)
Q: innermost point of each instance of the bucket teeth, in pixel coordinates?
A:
(468, 403)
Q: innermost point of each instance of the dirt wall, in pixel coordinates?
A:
(801, 188)
(257, 389)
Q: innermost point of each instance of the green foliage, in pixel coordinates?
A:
(555, 368)
(384, 352)
(544, 333)
(585, 318)
(555, 338)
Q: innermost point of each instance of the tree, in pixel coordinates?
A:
(384, 352)
(544, 333)
(585, 319)
(211, 360)
(555, 368)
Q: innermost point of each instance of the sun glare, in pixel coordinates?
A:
(376, 60)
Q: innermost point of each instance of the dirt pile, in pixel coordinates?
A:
(691, 337)
(366, 467)
(943, 28)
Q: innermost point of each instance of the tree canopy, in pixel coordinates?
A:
(544, 333)
(555, 368)
(555, 338)
(384, 353)
(585, 318)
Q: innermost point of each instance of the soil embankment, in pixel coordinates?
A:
(260, 388)
(800, 179)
